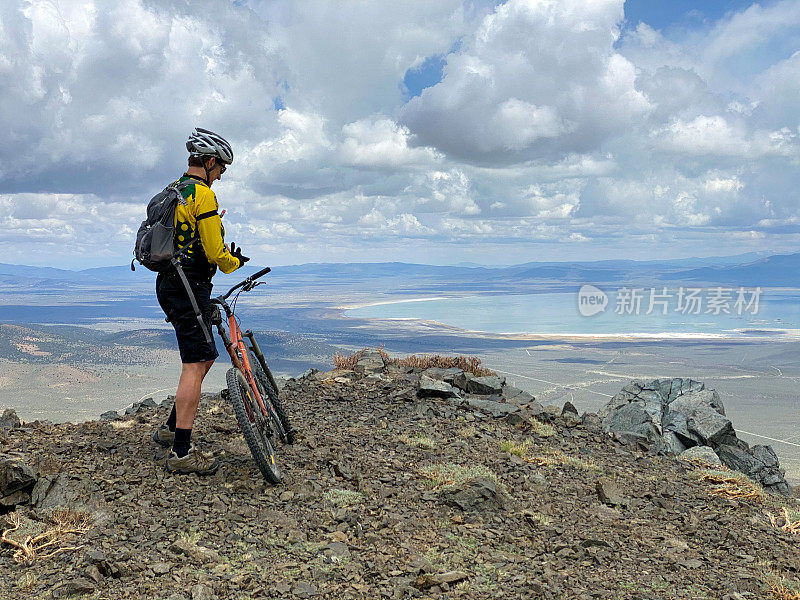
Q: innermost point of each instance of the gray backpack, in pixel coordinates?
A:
(155, 248)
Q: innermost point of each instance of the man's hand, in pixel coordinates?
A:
(237, 252)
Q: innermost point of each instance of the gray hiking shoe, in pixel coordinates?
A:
(164, 436)
(202, 463)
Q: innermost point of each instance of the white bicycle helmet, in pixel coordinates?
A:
(203, 142)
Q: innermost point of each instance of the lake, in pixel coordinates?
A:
(671, 314)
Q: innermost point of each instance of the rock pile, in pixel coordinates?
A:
(682, 416)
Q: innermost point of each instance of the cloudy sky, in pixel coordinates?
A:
(437, 132)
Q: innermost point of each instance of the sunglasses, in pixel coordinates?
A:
(222, 167)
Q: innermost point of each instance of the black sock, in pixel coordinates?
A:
(172, 418)
(182, 442)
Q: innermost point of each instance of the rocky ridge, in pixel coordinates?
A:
(404, 483)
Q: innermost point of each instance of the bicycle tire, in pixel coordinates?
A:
(254, 428)
(262, 379)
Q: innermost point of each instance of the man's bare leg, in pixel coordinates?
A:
(187, 398)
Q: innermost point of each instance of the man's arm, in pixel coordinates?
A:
(209, 226)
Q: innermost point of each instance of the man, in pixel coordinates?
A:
(196, 215)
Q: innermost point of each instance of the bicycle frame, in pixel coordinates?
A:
(234, 344)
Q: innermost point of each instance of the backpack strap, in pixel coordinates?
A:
(179, 186)
(192, 299)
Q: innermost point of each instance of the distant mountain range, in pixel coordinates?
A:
(753, 269)
(780, 270)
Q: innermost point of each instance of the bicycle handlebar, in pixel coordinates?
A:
(247, 281)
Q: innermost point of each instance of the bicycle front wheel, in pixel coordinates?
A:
(255, 426)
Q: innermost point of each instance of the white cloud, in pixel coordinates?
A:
(719, 184)
(347, 59)
(578, 237)
(380, 142)
(445, 191)
(404, 224)
(301, 136)
(536, 79)
(95, 89)
(716, 136)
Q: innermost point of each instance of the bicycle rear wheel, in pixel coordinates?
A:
(255, 426)
(262, 380)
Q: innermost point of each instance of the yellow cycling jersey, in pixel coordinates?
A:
(197, 213)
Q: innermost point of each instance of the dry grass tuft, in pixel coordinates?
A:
(419, 441)
(347, 361)
(781, 592)
(731, 484)
(791, 522)
(468, 431)
(557, 458)
(470, 364)
(541, 429)
(780, 587)
(516, 448)
(449, 475)
(339, 497)
(63, 527)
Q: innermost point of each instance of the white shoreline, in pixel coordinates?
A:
(384, 302)
(763, 333)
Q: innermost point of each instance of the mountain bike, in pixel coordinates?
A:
(251, 387)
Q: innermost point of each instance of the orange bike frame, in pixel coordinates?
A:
(243, 364)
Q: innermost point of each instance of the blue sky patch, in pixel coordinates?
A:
(428, 74)
(681, 13)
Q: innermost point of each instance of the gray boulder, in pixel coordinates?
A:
(134, 408)
(446, 375)
(646, 395)
(759, 463)
(697, 417)
(677, 424)
(9, 419)
(16, 481)
(488, 385)
(671, 443)
(110, 415)
(569, 407)
(370, 362)
(490, 405)
(710, 426)
(697, 399)
(461, 380)
(435, 388)
(67, 491)
(477, 494)
(705, 454)
(516, 395)
(632, 418)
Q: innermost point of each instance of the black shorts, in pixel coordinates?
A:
(176, 305)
